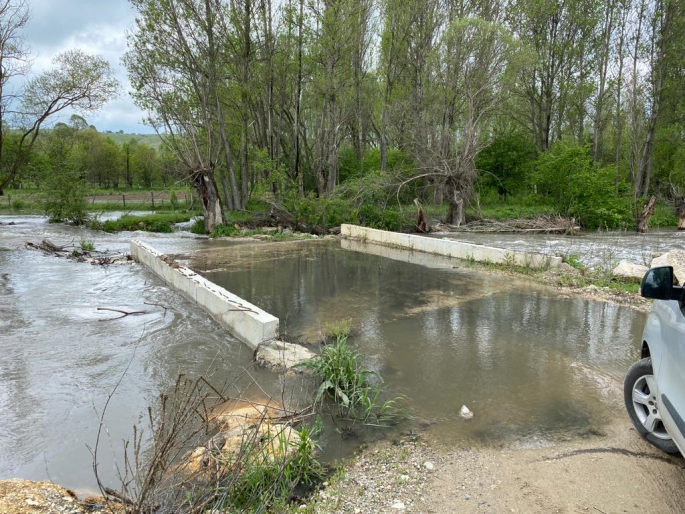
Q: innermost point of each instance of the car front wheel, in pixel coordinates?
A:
(641, 401)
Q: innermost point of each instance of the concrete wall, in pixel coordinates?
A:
(253, 326)
(449, 248)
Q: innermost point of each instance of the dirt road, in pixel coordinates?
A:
(614, 474)
(619, 473)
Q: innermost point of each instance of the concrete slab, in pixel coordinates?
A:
(448, 248)
(248, 322)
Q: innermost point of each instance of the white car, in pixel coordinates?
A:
(654, 387)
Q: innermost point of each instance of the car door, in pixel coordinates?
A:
(671, 377)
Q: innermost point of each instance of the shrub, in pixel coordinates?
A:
(582, 189)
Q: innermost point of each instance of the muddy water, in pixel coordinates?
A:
(535, 367)
(60, 358)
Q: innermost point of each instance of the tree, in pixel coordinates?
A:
(77, 81)
(175, 64)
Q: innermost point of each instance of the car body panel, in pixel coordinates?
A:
(665, 335)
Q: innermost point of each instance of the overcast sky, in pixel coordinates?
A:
(97, 27)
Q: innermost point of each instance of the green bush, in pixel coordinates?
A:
(160, 222)
(18, 204)
(582, 189)
(65, 197)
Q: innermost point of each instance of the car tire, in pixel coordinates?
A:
(643, 407)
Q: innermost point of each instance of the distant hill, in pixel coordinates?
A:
(152, 140)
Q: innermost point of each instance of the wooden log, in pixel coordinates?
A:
(647, 212)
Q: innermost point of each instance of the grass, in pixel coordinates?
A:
(158, 222)
(87, 245)
(338, 330)
(354, 391)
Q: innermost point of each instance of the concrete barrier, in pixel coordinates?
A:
(249, 323)
(448, 248)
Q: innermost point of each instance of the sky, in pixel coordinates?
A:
(97, 27)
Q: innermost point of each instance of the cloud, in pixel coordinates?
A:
(94, 26)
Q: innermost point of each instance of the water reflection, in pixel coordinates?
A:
(533, 366)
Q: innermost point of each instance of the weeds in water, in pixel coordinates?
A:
(355, 391)
(87, 245)
(337, 330)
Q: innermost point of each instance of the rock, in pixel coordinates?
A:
(287, 232)
(25, 497)
(269, 230)
(465, 412)
(398, 506)
(428, 464)
(630, 271)
(675, 258)
(281, 356)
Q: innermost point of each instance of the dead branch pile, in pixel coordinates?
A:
(78, 254)
(540, 225)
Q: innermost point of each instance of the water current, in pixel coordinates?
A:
(535, 366)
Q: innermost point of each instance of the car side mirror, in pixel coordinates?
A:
(658, 284)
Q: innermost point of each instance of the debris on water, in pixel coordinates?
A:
(465, 412)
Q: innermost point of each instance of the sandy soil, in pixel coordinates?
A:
(619, 473)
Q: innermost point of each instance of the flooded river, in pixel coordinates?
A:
(536, 367)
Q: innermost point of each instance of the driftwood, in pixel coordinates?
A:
(79, 255)
(539, 225)
(421, 223)
(124, 313)
(647, 212)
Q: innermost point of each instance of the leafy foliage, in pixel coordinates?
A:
(581, 188)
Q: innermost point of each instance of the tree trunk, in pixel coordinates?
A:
(680, 211)
(456, 215)
(203, 182)
(643, 221)
(421, 223)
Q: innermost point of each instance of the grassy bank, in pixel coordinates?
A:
(158, 222)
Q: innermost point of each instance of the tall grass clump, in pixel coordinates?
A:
(354, 391)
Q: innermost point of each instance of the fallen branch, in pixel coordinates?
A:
(119, 311)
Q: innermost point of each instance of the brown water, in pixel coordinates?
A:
(535, 368)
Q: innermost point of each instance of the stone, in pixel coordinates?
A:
(287, 232)
(429, 465)
(465, 412)
(675, 258)
(629, 271)
(398, 506)
(281, 356)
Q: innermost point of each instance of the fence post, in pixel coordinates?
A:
(152, 198)
(124, 197)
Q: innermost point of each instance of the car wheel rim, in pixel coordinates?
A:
(646, 406)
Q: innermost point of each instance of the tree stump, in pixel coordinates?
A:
(643, 220)
(680, 211)
(421, 225)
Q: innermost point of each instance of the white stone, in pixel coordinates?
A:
(449, 248)
(630, 270)
(675, 258)
(398, 506)
(429, 465)
(465, 412)
(281, 356)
